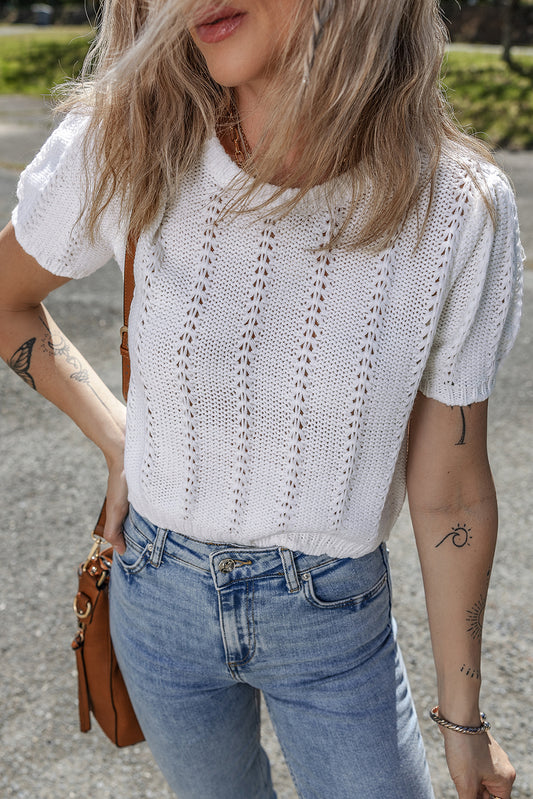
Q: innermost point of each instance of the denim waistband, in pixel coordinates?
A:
(228, 563)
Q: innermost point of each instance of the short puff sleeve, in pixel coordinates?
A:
(48, 219)
(480, 315)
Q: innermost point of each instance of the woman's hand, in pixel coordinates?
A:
(116, 504)
(478, 766)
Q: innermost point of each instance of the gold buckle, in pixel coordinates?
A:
(95, 550)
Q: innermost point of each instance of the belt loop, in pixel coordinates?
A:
(158, 547)
(289, 569)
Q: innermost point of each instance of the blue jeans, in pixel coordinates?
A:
(201, 629)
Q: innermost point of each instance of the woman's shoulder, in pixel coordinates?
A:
(68, 133)
(49, 216)
(472, 179)
(474, 212)
(466, 219)
(71, 125)
(61, 153)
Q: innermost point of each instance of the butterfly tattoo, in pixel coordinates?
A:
(20, 362)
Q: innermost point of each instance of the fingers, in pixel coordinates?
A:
(477, 791)
(499, 784)
(500, 792)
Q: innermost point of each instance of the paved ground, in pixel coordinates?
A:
(51, 482)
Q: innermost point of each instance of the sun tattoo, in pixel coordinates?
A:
(474, 618)
(460, 536)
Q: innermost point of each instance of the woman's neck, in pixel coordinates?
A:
(251, 112)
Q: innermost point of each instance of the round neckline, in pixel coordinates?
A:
(225, 172)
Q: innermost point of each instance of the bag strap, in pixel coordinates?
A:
(129, 286)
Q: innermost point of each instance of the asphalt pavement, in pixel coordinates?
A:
(51, 484)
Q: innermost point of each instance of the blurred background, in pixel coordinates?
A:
(52, 480)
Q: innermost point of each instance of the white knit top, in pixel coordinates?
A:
(272, 383)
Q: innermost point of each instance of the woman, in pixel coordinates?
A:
(327, 276)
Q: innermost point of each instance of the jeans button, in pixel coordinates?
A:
(227, 565)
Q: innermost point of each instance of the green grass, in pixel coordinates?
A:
(487, 96)
(491, 99)
(31, 63)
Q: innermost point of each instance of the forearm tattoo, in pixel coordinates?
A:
(463, 430)
(57, 346)
(474, 618)
(470, 671)
(20, 362)
(459, 536)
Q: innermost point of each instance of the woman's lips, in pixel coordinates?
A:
(219, 25)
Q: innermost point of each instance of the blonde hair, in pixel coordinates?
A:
(357, 92)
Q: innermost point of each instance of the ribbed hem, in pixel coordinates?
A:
(338, 544)
(454, 395)
(30, 245)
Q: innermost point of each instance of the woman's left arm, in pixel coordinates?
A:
(454, 513)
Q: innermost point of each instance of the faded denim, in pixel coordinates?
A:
(201, 629)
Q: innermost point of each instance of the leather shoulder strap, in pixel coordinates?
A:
(129, 286)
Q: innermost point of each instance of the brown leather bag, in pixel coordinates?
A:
(101, 687)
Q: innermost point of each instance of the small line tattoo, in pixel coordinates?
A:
(20, 362)
(474, 618)
(463, 432)
(470, 671)
(460, 536)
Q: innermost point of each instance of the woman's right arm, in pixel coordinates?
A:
(36, 349)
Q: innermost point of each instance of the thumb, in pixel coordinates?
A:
(115, 537)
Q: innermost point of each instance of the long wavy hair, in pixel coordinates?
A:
(356, 91)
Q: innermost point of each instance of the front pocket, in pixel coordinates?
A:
(138, 548)
(345, 583)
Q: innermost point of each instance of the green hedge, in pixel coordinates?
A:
(31, 63)
(490, 98)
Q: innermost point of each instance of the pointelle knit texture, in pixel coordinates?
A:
(272, 382)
